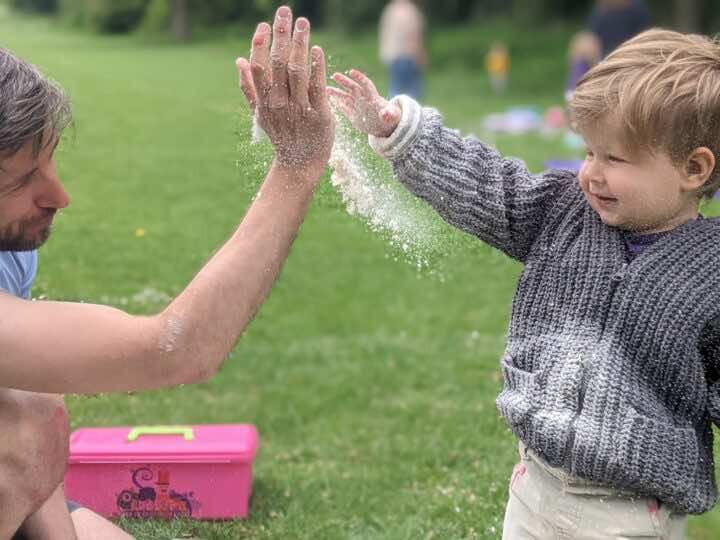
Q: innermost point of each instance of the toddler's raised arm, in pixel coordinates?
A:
(469, 183)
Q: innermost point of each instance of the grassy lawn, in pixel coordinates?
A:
(372, 384)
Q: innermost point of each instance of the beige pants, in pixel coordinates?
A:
(548, 504)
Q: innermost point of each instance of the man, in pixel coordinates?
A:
(51, 348)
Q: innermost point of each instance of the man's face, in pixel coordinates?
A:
(30, 195)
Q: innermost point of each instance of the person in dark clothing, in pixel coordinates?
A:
(615, 21)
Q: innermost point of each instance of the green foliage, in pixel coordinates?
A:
(156, 18)
(212, 12)
(202, 13)
(124, 15)
(40, 6)
(353, 15)
(107, 16)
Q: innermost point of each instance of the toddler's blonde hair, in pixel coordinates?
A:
(663, 88)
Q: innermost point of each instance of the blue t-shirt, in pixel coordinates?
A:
(17, 272)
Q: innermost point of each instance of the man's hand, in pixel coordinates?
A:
(289, 103)
(363, 106)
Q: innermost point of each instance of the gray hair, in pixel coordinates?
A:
(32, 107)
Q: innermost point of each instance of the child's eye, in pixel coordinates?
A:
(616, 159)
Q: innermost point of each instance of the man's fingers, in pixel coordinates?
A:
(259, 59)
(367, 85)
(317, 94)
(297, 66)
(246, 83)
(279, 55)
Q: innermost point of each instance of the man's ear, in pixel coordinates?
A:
(698, 167)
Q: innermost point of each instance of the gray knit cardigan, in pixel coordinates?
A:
(611, 370)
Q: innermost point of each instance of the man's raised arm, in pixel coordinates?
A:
(68, 347)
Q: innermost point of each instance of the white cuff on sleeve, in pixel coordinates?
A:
(405, 132)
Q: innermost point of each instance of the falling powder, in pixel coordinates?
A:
(256, 132)
(382, 204)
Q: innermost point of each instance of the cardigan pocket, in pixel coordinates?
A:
(518, 397)
(655, 457)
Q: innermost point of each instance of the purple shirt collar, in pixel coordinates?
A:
(635, 243)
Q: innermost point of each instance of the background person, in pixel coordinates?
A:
(402, 47)
(615, 21)
(584, 52)
(497, 64)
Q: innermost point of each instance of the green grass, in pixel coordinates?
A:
(372, 384)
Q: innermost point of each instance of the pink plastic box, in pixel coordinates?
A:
(203, 472)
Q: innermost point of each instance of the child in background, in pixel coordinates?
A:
(612, 364)
(497, 63)
(584, 52)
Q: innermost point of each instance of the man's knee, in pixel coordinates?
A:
(34, 450)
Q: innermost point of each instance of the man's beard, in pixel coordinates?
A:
(15, 236)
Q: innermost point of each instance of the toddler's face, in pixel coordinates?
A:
(636, 192)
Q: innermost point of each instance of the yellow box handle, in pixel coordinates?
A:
(186, 431)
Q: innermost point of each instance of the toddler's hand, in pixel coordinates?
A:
(363, 106)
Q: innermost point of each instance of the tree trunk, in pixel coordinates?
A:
(687, 15)
(181, 20)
